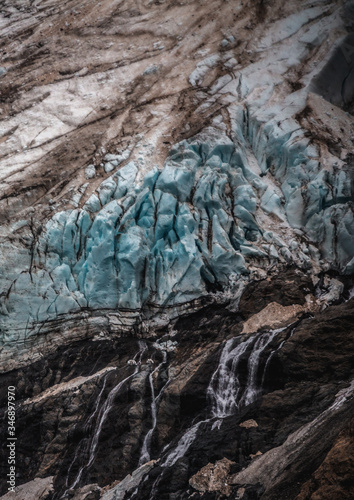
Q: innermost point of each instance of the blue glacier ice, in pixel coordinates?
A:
(187, 229)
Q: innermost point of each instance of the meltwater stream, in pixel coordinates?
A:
(145, 450)
(252, 389)
(225, 391)
(102, 413)
(224, 386)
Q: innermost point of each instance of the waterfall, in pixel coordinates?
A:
(271, 355)
(87, 427)
(224, 385)
(97, 405)
(252, 389)
(145, 450)
(102, 415)
(183, 444)
(225, 390)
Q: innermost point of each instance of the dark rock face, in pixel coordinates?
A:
(336, 80)
(300, 372)
(286, 288)
(306, 383)
(334, 477)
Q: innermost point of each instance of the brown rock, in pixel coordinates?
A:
(88, 492)
(247, 424)
(275, 315)
(272, 468)
(240, 492)
(334, 479)
(38, 489)
(286, 288)
(213, 477)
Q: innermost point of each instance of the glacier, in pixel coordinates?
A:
(227, 205)
(204, 221)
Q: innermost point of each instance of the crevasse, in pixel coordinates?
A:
(192, 228)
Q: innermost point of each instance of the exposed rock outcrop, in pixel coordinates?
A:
(213, 478)
(38, 489)
(333, 478)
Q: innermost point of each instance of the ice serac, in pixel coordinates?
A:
(247, 193)
(194, 227)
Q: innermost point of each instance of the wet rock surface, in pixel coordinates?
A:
(57, 419)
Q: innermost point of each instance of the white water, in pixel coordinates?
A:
(224, 389)
(253, 389)
(145, 450)
(97, 405)
(102, 415)
(224, 385)
(87, 426)
(270, 357)
(183, 444)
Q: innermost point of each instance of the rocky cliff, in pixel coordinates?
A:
(177, 248)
